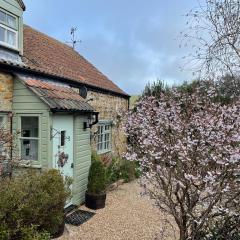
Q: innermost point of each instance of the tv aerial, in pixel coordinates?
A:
(74, 41)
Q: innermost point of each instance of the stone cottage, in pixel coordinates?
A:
(57, 103)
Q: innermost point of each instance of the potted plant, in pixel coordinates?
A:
(95, 196)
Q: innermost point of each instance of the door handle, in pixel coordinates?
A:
(72, 165)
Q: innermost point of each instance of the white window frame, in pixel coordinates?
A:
(32, 162)
(103, 149)
(11, 29)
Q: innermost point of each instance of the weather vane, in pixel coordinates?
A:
(74, 41)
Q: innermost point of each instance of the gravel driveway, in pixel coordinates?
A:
(127, 215)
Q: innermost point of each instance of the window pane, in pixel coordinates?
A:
(29, 126)
(63, 136)
(99, 146)
(11, 38)
(2, 34)
(11, 21)
(2, 16)
(104, 136)
(1, 121)
(29, 149)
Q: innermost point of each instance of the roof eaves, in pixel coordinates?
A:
(46, 74)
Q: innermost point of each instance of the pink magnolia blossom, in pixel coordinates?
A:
(187, 145)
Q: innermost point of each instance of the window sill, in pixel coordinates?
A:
(104, 151)
(29, 164)
(9, 47)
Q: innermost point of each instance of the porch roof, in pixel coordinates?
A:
(58, 97)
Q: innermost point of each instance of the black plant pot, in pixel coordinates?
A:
(95, 201)
(59, 232)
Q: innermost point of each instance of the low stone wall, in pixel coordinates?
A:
(109, 106)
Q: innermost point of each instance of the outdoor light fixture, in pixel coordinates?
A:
(92, 120)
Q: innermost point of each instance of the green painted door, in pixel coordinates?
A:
(62, 133)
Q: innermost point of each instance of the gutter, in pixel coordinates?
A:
(57, 110)
(96, 114)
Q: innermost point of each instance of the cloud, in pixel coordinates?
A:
(132, 42)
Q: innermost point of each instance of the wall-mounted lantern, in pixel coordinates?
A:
(92, 120)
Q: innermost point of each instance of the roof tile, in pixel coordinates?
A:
(48, 55)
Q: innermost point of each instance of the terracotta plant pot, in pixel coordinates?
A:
(95, 201)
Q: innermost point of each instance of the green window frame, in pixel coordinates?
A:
(104, 137)
(8, 29)
(30, 139)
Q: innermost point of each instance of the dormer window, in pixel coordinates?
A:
(8, 30)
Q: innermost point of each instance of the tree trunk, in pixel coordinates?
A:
(183, 233)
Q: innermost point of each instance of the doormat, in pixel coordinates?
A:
(78, 217)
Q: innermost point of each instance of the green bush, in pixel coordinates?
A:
(27, 233)
(31, 233)
(122, 169)
(113, 171)
(32, 200)
(95, 157)
(97, 178)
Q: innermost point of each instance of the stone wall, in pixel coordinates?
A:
(6, 92)
(6, 96)
(109, 106)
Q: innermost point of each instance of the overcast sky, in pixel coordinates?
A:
(131, 41)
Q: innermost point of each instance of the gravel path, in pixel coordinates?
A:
(127, 216)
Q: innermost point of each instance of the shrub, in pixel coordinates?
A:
(95, 157)
(113, 171)
(122, 169)
(32, 200)
(31, 233)
(127, 170)
(97, 178)
(27, 233)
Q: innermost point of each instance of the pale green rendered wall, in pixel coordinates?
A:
(25, 102)
(82, 159)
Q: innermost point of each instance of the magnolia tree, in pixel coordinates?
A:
(187, 145)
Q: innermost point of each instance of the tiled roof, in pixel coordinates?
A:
(48, 55)
(58, 97)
